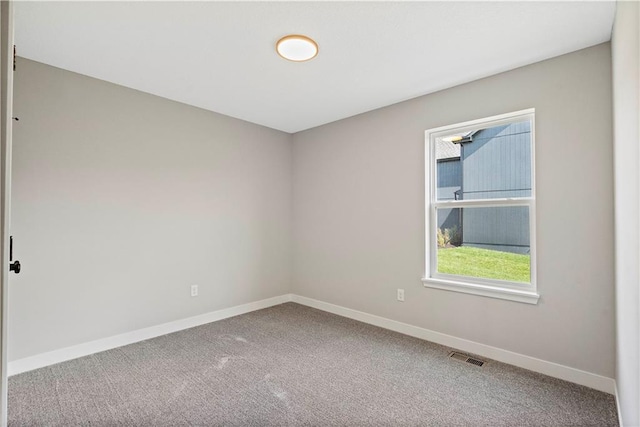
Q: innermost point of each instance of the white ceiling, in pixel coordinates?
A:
(220, 55)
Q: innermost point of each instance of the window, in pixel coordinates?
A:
(480, 207)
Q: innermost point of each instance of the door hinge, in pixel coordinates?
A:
(14, 57)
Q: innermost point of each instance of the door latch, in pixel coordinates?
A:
(13, 266)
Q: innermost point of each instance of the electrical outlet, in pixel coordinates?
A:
(400, 294)
(194, 290)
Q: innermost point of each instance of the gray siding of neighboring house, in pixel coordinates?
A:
(502, 229)
(497, 163)
(449, 175)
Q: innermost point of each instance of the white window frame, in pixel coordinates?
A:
(520, 292)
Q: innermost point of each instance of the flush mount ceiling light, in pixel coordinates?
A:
(297, 48)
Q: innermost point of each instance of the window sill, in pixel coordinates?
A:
(527, 297)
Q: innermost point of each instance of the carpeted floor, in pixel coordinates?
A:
(293, 365)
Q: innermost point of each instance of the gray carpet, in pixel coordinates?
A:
(293, 365)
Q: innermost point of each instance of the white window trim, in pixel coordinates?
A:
(526, 293)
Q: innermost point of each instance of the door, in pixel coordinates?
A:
(6, 122)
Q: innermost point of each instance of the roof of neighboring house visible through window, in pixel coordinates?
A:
(446, 149)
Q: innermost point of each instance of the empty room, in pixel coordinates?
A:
(320, 213)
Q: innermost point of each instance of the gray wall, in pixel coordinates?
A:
(359, 213)
(626, 71)
(122, 200)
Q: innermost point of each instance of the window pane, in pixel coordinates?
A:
(488, 163)
(491, 243)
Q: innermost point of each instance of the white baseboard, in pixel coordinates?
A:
(555, 370)
(566, 373)
(85, 349)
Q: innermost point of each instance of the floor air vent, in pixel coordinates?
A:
(465, 358)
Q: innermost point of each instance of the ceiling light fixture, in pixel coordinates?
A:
(297, 48)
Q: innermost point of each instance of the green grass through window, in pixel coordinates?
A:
(476, 262)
